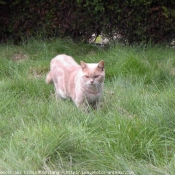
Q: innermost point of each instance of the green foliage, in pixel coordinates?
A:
(135, 20)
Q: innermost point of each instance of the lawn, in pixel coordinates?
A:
(132, 133)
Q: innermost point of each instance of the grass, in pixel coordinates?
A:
(132, 133)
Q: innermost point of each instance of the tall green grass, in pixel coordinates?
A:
(132, 133)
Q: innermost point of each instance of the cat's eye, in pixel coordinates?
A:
(96, 76)
(86, 76)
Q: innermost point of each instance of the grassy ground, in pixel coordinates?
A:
(132, 133)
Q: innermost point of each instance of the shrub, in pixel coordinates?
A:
(135, 20)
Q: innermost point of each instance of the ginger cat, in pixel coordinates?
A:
(82, 83)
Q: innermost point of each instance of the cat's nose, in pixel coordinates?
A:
(91, 81)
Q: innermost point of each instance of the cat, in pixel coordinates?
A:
(82, 83)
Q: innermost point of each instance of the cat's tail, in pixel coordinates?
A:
(49, 78)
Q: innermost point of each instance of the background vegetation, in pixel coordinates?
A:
(135, 20)
(133, 132)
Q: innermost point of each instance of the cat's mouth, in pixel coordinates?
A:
(93, 85)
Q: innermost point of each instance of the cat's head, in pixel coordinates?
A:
(93, 74)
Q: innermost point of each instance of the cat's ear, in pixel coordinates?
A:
(101, 65)
(83, 65)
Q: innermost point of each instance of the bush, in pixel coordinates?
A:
(135, 20)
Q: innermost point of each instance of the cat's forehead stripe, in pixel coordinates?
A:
(91, 67)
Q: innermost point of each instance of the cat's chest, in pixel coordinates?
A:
(91, 97)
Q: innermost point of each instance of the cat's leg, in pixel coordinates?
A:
(81, 104)
(59, 93)
(62, 94)
(95, 105)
